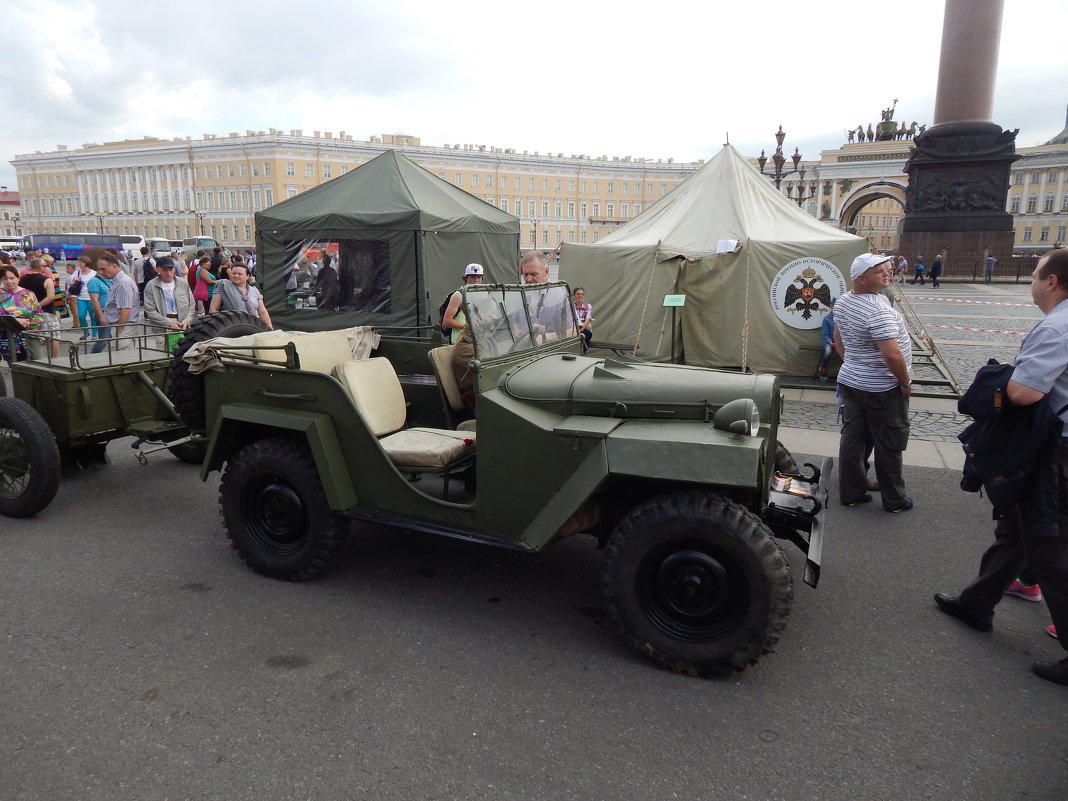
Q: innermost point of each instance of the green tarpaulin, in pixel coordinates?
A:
(392, 239)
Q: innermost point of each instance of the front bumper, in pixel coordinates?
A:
(797, 508)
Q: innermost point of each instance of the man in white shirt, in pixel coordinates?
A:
(874, 382)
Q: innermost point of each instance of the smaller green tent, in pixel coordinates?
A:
(393, 239)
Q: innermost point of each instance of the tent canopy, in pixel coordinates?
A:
(397, 238)
(734, 246)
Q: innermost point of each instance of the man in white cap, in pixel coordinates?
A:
(463, 350)
(876, 351)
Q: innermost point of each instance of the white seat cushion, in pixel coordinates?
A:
(375, 389)
(318, 352)
(431, 448)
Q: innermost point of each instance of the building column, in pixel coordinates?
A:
(967, 69)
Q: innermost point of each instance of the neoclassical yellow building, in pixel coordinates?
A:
(182, 187)
(214, 185)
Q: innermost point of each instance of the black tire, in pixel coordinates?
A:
(29, 460)
(275, 511)
(186, 390)
(3, 385)
(697, 583)
(189, 453)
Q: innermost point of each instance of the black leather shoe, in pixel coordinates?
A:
(1057, 672)
(952, 606)
(865, 498)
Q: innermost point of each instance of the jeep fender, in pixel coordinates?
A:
(238, 424)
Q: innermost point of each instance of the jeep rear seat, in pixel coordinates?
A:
(375, 389)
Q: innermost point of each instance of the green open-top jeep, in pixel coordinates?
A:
(672, 468)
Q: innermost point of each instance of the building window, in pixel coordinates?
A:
(244, 198)
(1032, 203)
(596, 187)
(229, 174)
(518, 182)
(571, 210)
(489, 182)
(558, 237)
(1064, 202)
(291, 169)
(545, 208)
(571, 236)
(530, 184)
(1051, 177)
(637, 209)
(187, 203)
(226, 232)
(544, 236)
(474, 180)
(248, 234)
(570, 186)
(583, 210)
(1060, 233)
(611, 188)
(233, 199)
(344, 170)
(504, 204)
(544, 184)
(558, 208)
(582, 237)
(1047, 204)
(611, 210)
(218, 172)
(291, 191)
(530, 208)
(244, 172)
(459, 181)
(309, 170)
(1043, 235)
(267, 168)
(533, 238)
(596, 209)
(1027, 235)
(268, 196)
(582, 187)
(558, 188)
(256, 199)
(663, 189)
(623, 209)
(328, 171)
(255, 170)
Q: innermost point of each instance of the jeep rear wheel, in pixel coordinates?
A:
(698, 583)
(29, 460)
(185, 389)
(275, 511)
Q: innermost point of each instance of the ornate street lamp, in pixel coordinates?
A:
(200, 215)
(100, 223)
(779, 160)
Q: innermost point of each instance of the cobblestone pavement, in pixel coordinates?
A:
(969, 324)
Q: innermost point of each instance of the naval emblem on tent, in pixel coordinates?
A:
(801, 292)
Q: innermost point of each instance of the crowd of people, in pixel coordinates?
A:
(103, 291)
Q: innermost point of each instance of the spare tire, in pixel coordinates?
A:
(185, 389)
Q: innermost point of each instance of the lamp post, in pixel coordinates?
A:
(200, 215)
(779, 160)
(535, 232)
(100, 223)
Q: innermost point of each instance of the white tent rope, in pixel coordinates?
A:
(745, 317)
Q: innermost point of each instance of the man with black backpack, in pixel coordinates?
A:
(144, 269)
(1040, 375)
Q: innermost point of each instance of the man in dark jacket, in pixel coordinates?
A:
(1040, 375)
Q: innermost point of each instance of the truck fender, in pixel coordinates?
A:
(238, 424)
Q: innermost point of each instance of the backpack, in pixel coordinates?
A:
(148, 269)
(445, 330)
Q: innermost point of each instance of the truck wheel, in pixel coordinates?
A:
(698, 583)
(186, 390)
(275, 511)
(29, 460)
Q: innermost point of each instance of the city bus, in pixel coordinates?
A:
(68, 246)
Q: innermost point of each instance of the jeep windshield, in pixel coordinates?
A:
(505, 319)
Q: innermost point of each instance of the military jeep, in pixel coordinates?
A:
(671, 468)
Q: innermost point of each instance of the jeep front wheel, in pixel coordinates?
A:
(698, 583)
(29, 460)
(275, 511)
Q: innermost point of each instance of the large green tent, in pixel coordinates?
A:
(755, 269)
(397, 238)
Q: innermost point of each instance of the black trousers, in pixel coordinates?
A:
(1013, 550)
(885, 416)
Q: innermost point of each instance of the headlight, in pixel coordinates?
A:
(738, 417)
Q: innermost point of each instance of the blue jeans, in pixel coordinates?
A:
(103, 333)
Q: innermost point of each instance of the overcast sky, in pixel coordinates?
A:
(659, 80)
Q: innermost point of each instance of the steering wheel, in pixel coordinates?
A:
(524, 341)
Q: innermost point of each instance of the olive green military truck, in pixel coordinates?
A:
(671, 468)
